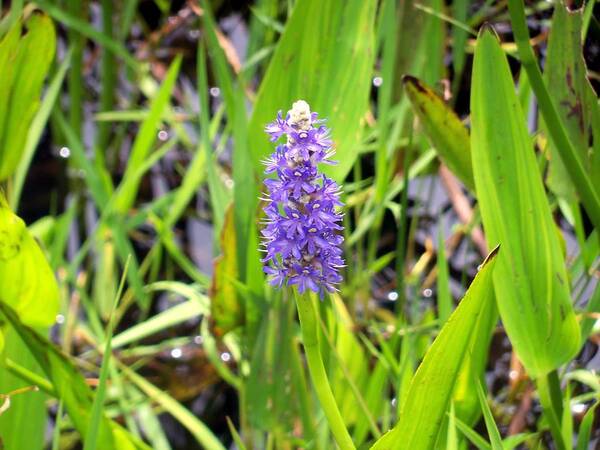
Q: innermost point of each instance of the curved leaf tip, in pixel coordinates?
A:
(487, 28)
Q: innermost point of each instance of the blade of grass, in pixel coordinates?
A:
(444, 298)
(71, 387)
(492, 429)
(145, 138)
(172, 316)
(93, 430)
(236, 436)
(199, 430)
(475, 438)
(585, 429)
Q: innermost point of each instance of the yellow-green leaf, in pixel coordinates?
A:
(28, 284)
(530, 281)
(24, 69)
(443, 128)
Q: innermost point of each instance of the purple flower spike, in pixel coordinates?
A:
(301, 234)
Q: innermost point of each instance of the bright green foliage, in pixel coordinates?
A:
(577, 105)
(25, 62)
(444, 129)
(432, 385)
(531, 282)
(28, 284)
(325, 57)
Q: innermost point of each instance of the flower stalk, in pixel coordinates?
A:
(310, 338)
(301, 235)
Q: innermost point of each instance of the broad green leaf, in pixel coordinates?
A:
(530, 282)
(70, 387)
(432, 385)
(570, 156)
(28, 284)
(24, 69)
(325, 56)
(565, 75)
(443, 128)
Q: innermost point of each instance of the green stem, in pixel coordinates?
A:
(548, 387)
(310, 339)
(568, 154)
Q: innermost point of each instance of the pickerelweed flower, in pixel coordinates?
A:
(301, 234)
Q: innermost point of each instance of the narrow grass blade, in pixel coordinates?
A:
(433, 383)
(586, 427)
(145, 138)
(530, 282)
(199, 430)
(93, 429)
(444, 298)
(236, 436)
(452, 437)
(475, 438)
(171, 317)
(490, 424)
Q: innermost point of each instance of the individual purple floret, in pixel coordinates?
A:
(301, 235)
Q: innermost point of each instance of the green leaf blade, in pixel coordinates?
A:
(443, 128)
(432, 386)
(531, 283)
(325, 56)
